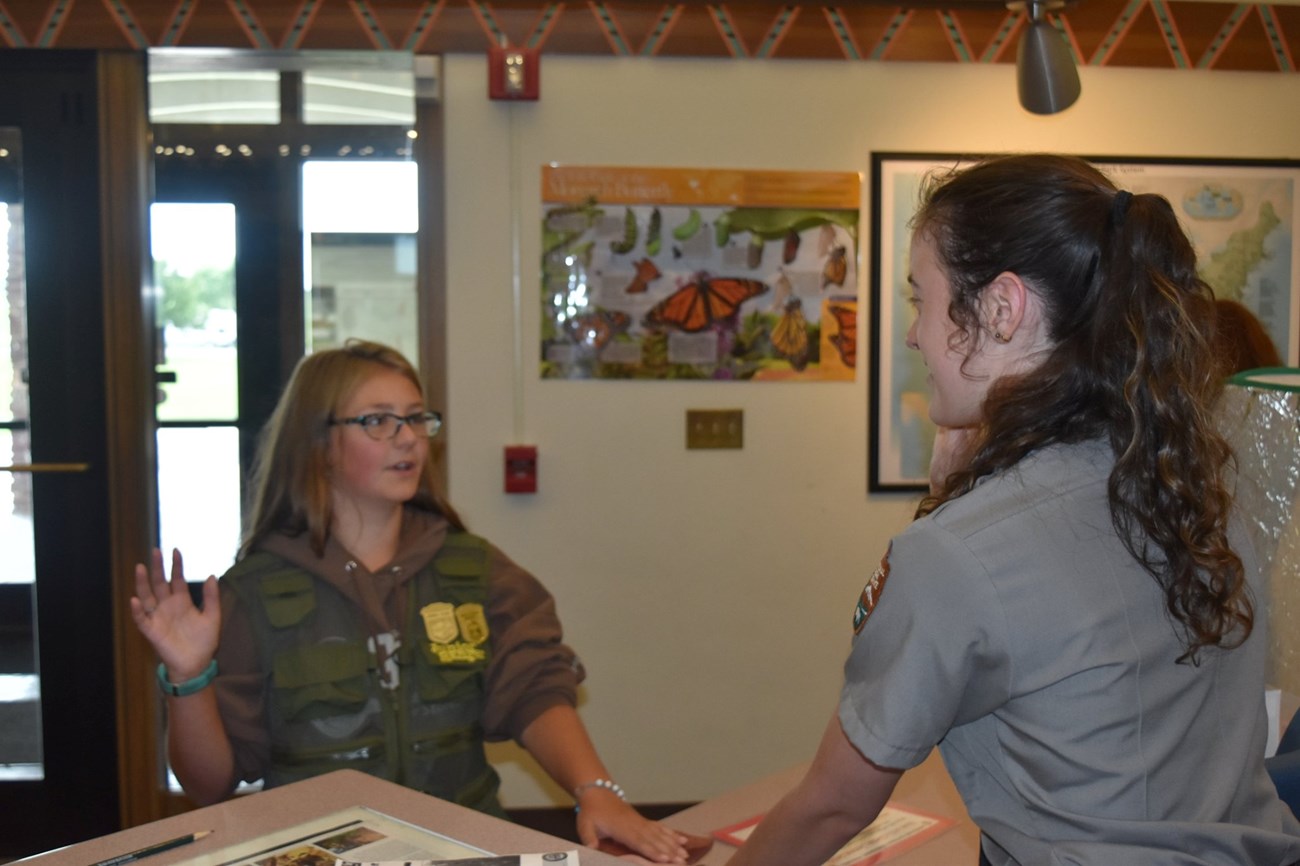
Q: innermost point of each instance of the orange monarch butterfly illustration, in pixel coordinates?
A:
(845, 340)
(790, 334)
(700, 304)
(596, 329)
(646, 273)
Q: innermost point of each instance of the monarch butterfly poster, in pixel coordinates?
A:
(715, 274)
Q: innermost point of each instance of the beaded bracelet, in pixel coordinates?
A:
(613, 787)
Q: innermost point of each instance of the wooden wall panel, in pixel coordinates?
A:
(1105, 32)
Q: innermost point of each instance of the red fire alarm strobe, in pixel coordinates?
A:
(513, 73)
(521, 469)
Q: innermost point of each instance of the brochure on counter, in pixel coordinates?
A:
(360, 836)
(894, 831)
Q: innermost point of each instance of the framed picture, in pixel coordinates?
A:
(1240, 214)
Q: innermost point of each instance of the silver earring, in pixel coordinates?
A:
(997, 335)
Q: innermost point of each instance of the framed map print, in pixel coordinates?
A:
(1240, 215)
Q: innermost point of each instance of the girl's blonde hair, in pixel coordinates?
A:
(291, 473)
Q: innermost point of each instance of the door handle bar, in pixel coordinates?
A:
(46, 467)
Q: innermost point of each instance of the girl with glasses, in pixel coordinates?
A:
(364, 627)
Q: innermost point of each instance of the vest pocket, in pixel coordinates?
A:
(366, 755)
(287, 598)
(447, 683)
(321, 680)
(451, 741)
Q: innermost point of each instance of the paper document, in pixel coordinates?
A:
(894, 831)
(357, 835)
(553, 858)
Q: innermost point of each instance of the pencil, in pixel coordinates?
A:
(133, 856)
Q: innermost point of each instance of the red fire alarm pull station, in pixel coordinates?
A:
(521, 469)
(513, 73)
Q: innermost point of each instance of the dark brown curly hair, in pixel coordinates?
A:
(1131, 326)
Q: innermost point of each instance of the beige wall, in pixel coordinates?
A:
(711, 593)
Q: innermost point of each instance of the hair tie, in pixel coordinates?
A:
(1119, 207)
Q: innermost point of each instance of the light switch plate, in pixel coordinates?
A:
(715, 428)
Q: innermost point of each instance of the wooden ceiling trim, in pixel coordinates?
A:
(510, 25)
(57, 17)
(573, 29)
(844, 37)
(1288, 19)
(1068, 33)
(402, 26)
(545, 23)
(25, 20)
(9, 30)
(1178, 34)
(1227, 30)
(731, 37)
(425, 20)
(880, 51)
(487, 22)
(661, 30)
(1118, 30)
(810, 35)
(210, 23)
(956, 36)
(1169, 30)
(695, 34)
(302, 22)
(247, 20)
(1000, 42)
(126, 23)
(610, 29)
(776, 33)
(1143, 44)
(14, 28)
(1248, 50)
(1198, 27)
(1273, 29)
(370, 24)
(93, 24)
(176, 23)
(161, 25)
(504, 25)
(924, 40)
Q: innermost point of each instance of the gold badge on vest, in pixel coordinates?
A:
(445, 622)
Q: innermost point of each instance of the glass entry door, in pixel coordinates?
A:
(58, 712)
(21, 747)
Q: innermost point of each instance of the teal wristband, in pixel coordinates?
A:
(189, 687)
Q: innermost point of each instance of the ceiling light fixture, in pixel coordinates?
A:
(1046, 76)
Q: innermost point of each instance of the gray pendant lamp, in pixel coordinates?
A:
(1046, 76)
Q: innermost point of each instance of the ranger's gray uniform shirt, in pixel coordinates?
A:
(1012, 628)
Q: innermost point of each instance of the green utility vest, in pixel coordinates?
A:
(326, 706)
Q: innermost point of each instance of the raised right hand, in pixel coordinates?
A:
(184, 636)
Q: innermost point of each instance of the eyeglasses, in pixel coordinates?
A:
(386, 425)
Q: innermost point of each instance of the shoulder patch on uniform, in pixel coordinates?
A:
(871, 592)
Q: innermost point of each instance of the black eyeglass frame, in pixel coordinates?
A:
(371, 421)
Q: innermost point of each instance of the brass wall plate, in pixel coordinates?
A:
(715, 428)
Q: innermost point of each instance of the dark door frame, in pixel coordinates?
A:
(81, 116)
